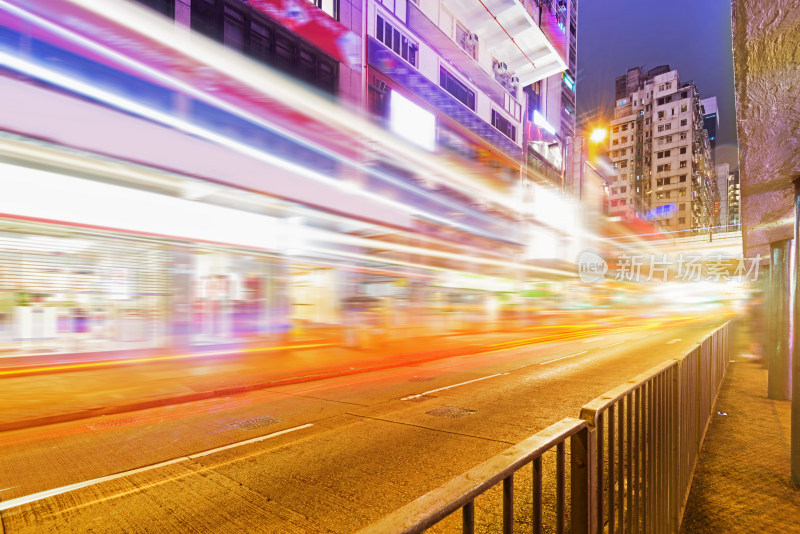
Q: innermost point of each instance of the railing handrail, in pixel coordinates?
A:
(437, 504)
(668, 462)
(598, 405)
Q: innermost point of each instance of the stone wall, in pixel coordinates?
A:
(766, 57)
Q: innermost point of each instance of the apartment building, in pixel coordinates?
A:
(662, 151)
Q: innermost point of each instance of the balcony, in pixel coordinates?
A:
(527, 38)
(424, 27)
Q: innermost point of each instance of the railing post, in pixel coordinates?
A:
(583, 450)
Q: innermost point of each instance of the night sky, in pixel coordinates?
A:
(692, 36)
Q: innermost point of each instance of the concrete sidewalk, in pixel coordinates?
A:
(742, 480)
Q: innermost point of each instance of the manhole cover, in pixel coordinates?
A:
(255, 422)
(112, 424)
(451, 412)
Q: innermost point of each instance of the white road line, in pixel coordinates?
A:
(19, 501)
(673, 341)
(563, 357)
(593, 339)
(418, 395)
(617, 343)
(247, 441)
(6, 489)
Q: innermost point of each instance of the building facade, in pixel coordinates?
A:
(662, 151)
(552, 111)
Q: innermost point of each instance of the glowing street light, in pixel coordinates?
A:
(598, 134)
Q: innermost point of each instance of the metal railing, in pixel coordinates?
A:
(632, 456)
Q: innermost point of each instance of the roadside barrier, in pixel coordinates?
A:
(631, 460)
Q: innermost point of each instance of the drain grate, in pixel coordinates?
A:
(255, 422)
(451, 412)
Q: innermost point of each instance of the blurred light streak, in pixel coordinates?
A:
(208, 52)
(107, 363)
(313, 99)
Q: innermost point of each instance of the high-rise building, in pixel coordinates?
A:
(734, 201)
(721, 207)
(708, 107)
(662, 151)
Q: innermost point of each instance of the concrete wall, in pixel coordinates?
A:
(766, 57)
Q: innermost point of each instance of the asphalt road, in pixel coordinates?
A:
(325, 456)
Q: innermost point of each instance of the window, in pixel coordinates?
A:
(615, 142)
(623, 151)
(624, 127)
(682, 207)
(624, 139)
(668, 139)
(683, 164)
(504, 125)
(233, 28)
(467, 41)
(659, 195)
(204, 18)
(623, 189)
(683, 150)
(614, 191)
(660, 114)
(452, 85)
(165, 7)
(683, 136)
(615, 129)
(659, 182)
(668, 126)
(682, 191)
(246, 30)
(664, 154)
(683, 108)
(660, 127)
(673, 112)
(681, 220)
(666, 181)
(614, 203)
(683, 122)
(667, 194)
(647, 120)
(623, 164)
(683, 178)
(662, 168)
(394, 40)
(622, 202)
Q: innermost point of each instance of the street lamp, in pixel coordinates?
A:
(598, 135)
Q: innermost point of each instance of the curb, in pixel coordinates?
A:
(223, 392)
